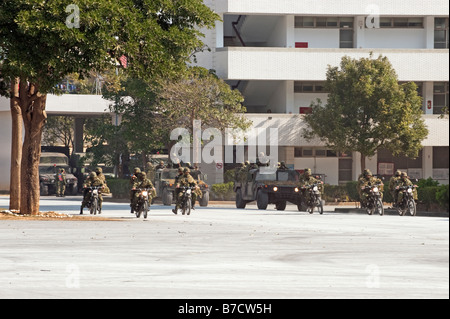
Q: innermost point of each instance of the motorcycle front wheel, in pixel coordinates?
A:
(93, 208)
(379, 207)
(145, 209)
(412, 209)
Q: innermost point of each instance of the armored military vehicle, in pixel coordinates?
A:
(266, 188)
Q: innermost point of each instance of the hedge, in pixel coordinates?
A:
(120, 188)
(223, 191)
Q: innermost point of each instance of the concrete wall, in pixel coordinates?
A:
(327, 7)
(237, 63)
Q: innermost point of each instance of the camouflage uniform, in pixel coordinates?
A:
(160, 166)
(142, 182)
(393, 184)
(102, 177)
(133, 179)
(306, 180)
(404, 181)
(60, 183)
(150, 171)
(185, 180)
(367, 179)
(91, 181)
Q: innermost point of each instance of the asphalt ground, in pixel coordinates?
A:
(221, 252)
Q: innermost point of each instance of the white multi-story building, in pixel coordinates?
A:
(277, 52)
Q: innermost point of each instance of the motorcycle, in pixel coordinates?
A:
(186, 199)
(374, 202)
(408, 203)
(142, 206)
(315, 199)
(93, 204)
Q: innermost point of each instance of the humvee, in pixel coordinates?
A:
(165, 185)
(276, 188)
(49, 165)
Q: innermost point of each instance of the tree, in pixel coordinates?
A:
(367, 109)
(59, 130)
(41, 42)
(200, 95)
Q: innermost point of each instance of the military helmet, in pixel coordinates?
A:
(187, 170)
(143, 175)
(247, 163)
(92, 175)
(404, 174)
(98, 170)
(137, 170)
(307, 171)
(180, 170)
(367, 172)
(398, 172)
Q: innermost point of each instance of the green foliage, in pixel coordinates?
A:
(367, 109)
(442, 196)
(120, 188)
(200, 95)
(158, 37)
(427, 195)
(429, 182)
(223, 191)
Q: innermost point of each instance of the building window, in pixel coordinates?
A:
(440, 97)
(441, 33)
(387, 22)
(324, 22)
(316, 152)
(309, 87)
(345, 39)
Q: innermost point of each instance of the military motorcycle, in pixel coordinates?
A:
(312, 192)
(142, 206)
(93, 205)
(186, 199)
(408, 203)
(373, 202)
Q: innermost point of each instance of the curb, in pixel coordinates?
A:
(392, 212)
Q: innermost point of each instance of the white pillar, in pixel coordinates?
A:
(429, 32)
(427, 162)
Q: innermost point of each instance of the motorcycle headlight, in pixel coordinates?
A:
(189, 191)
(315, 188)
(409, 190)
(296, 190)
(275, 189)
(144, 193)
(375, 189)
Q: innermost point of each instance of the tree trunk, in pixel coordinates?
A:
(16, 147)
(363, 163)
(34, 116)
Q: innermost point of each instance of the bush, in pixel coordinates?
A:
(442, 196)
(427, 195)
(223, 191)
(120, 188)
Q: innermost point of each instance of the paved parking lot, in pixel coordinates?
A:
(221, 252)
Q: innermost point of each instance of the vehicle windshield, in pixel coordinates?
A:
(280, 176)
(51, 159)
(53, 169)
(169, 174)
